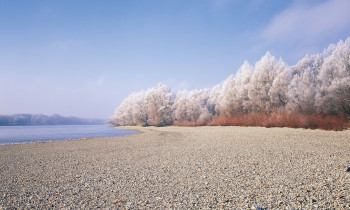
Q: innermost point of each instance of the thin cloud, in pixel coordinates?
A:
(309, 23)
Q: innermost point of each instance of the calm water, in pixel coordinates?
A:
(25, 134)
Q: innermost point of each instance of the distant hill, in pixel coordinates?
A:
(40, 119)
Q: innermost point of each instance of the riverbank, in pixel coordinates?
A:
(181, 167)
(32, 134)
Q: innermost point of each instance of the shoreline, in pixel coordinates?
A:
(48, 139)
(181, 167)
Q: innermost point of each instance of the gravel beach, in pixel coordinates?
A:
(181, 167)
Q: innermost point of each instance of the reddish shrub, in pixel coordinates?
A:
(282, 119)
(276, 119)
(327, 122)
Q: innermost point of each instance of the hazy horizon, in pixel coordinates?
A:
(83, 58)
(40, 119)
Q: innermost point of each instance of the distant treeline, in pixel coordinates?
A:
(40, 119)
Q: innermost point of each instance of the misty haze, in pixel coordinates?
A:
(39, 119)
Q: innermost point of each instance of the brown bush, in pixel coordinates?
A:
(283, 119)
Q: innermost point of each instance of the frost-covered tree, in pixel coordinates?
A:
(124, 114)
(226, 104)
(139, 109)
(213, 99)
(279, 88)
(341, 93)
(266, 70)
(182, 105)
(243, 77)
(303, 86)
(159, 102)
(334, 79)
(151, 107)
(191, 106)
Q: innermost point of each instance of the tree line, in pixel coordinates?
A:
(315, 93)
(40, 119)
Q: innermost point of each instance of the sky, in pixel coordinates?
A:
(82, 58)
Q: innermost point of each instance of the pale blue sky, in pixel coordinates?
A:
(83, 58)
